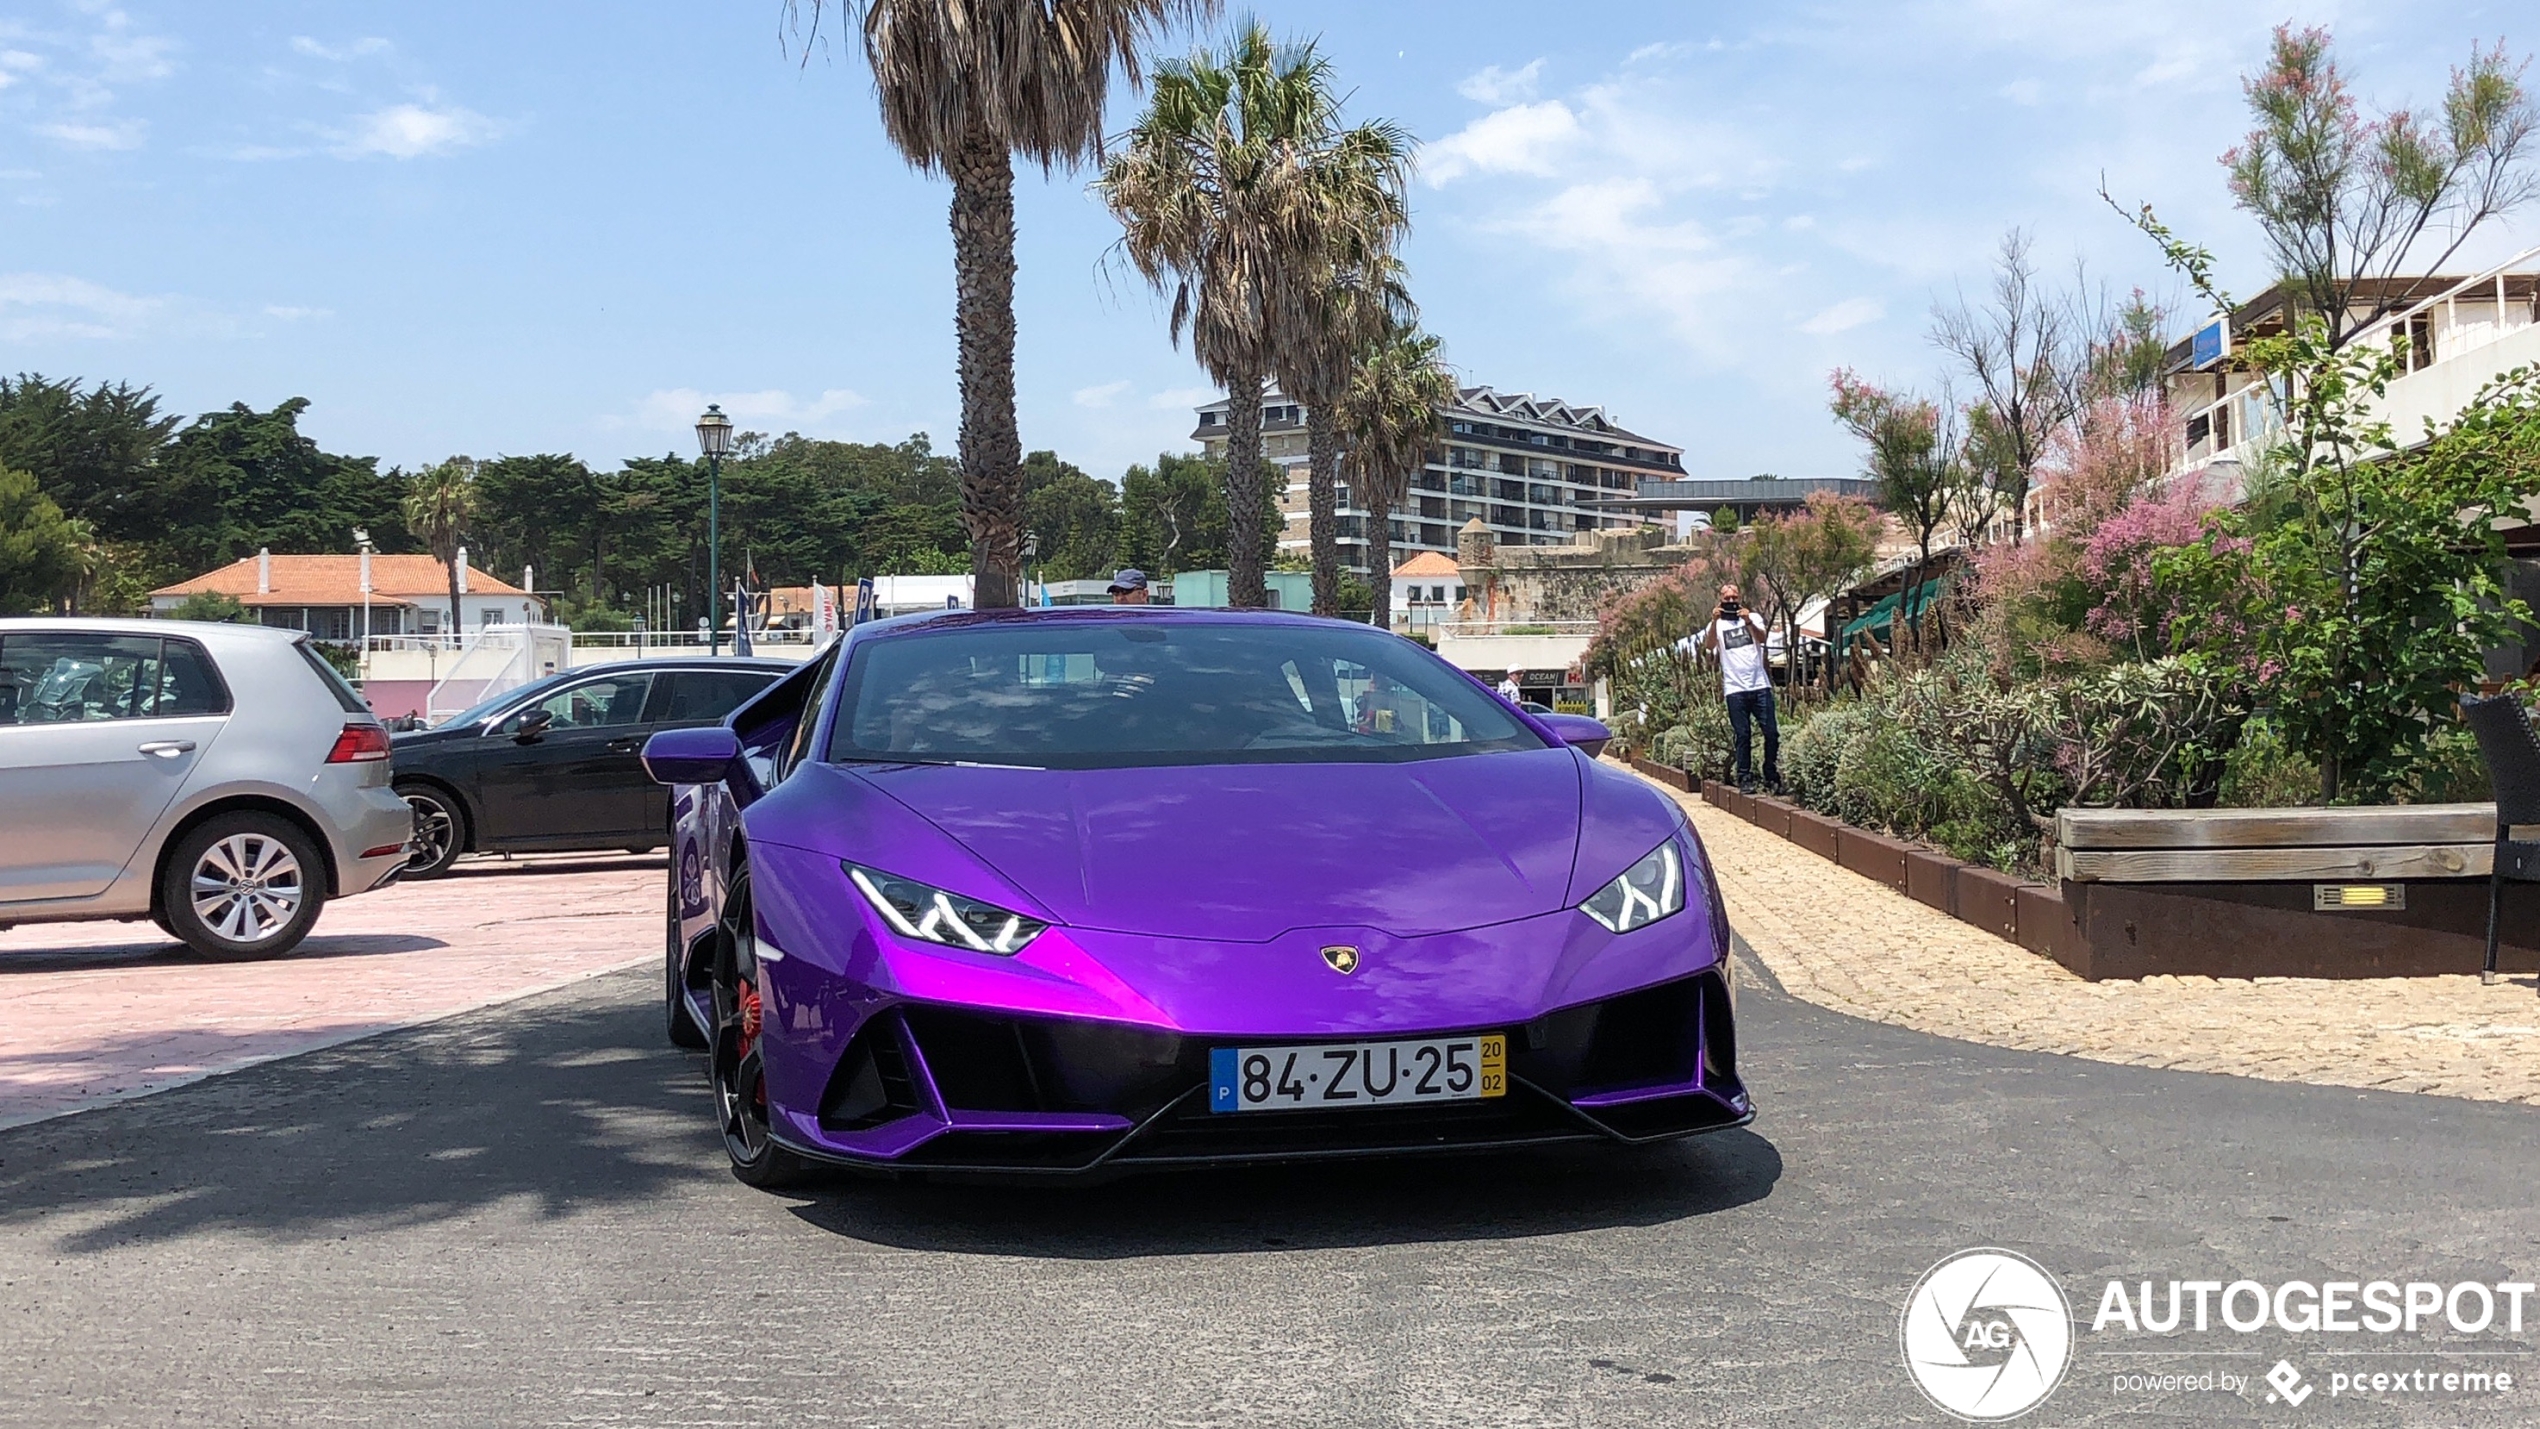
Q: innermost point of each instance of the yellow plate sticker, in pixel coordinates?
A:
(1494, 1066)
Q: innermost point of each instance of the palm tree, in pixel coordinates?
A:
(966, 85)
(1236, 191)
(1341, 312)
(440, 506)
(1389, 419)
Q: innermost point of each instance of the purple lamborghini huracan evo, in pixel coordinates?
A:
(1089, 890)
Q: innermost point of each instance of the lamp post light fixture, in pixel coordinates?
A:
(714, 438)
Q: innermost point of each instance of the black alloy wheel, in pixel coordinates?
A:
(681, 1028)
(740, 1082)
(440, 834)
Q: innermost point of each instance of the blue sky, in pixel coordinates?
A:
(505, 228)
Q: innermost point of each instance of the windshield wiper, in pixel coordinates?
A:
(922, 759)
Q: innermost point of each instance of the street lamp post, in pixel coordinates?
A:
(714, 438)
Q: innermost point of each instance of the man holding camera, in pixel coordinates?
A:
(1736, 635)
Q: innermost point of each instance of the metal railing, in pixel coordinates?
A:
(1470, 629)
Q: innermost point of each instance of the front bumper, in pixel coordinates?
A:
(937, 1087)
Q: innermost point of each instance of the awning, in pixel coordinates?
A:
(1882, 616)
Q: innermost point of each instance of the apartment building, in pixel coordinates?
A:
(1532, 469)
(2458, 332)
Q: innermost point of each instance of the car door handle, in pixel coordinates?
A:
(168, 748)
(625, 746)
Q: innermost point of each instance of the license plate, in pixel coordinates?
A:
(1346, 1074)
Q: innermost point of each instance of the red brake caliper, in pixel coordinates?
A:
(752, 1017)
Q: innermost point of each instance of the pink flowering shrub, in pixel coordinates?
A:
(2129, 606)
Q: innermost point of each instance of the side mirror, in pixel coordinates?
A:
(532, 727)
(702, 754)
(1579, 732)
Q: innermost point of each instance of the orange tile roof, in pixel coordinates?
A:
(337, 580)
(1427, 563)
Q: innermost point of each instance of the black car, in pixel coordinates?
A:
(557, 765)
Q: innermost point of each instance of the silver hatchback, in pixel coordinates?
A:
(221, 780)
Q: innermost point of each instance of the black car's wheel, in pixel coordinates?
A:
(440, 829)
(242, 886)
(681, 1027)
(740, 1083)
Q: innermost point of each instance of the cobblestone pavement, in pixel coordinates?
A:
(100, 1012)
(1844, 942)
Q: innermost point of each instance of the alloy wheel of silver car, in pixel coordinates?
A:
(243, 884)
(247, 888)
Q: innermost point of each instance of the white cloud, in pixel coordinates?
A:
(1521, 139)
(292, 314)
(1101, 396)
(55, 305)
(2022, 91)
(675, 409)
(412, 131)
(14, 63)
(1845, 316)
(1501, 86)
(318, 49)
(113, 134)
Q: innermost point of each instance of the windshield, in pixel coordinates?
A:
(1093, 694)
(495, 704)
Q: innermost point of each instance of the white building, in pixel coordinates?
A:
(1528, 467)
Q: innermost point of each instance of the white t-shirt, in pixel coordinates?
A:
(1508, 691)
(1741, 657)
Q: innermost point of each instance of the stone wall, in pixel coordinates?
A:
(1530, 584)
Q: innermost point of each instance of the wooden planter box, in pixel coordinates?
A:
(1873, 856)
(1931, 879)
(1815, 833)
(1666, 774)
(1771, 815)
(1713, 794)
(1988, 899)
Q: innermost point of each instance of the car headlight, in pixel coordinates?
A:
(929, 914)
(1647, 891)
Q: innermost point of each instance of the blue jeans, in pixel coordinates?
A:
(1745, 708)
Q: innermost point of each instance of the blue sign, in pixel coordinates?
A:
(865, 606)
(2210, 345)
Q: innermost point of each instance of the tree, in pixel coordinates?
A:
(440, 506)
(2359, 587)
(38, 547)
(965, 85)
(1075, 517)
(2019, 351)
(1339, 307)
(1801, 555)
(93, 452)
(1389, 423)
(211, 605)
(2344, 201)
(1173, 516)
(1913, 457)
(1237, 185)
(238, 479)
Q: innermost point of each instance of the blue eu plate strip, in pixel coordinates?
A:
(1221, 1079)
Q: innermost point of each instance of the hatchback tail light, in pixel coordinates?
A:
(359, 744)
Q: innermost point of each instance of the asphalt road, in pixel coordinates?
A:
(520, 1217)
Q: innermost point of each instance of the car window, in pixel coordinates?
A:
(346, 698)
(76, 678)
(1100, 693)
(592, 704)
(798, 747)
(707, 695)
(189, 683)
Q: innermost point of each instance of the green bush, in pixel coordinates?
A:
(2264, 771)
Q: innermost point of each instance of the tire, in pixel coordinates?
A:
(440, 829)
(740, 1089)
(242, 886)
(681, 1028)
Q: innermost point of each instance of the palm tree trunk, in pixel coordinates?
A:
(991, 451)
(1323, 527)
(1379, 504)
(1245, 492)
(450, 568)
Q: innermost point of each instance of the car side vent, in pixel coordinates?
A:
(871, 1085)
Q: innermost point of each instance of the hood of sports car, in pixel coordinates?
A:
(1247, 852)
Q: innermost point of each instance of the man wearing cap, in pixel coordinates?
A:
(1129, 587)
(1508, 688)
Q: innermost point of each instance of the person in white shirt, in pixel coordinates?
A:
(1508, 688)
(1736, 635)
